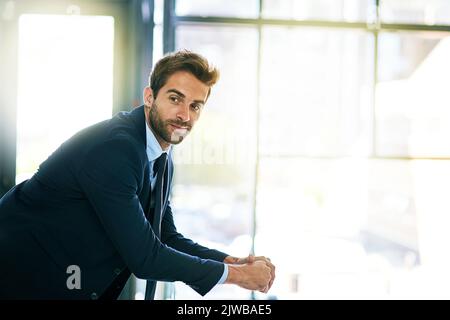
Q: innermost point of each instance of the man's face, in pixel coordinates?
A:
(177, 107)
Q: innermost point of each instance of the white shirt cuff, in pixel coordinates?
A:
(224, 275)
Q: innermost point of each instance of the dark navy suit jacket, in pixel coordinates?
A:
(88, 205)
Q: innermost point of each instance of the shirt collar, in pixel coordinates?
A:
(154, 149)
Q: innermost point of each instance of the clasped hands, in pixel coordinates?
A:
(253, 273)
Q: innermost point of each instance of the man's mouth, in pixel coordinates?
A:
(179, 127)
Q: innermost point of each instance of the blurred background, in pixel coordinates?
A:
(325, 145)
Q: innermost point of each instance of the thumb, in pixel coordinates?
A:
(251, 258)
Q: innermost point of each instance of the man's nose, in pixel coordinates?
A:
(183, 113)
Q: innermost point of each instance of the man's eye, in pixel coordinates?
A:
(174, 99)
(196, 107)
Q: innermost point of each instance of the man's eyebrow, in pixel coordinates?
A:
(177, 92)
(183, 96)
(199, 101)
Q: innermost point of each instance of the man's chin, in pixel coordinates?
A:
(176, 140)
(177, 136)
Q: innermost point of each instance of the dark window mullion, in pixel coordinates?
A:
(169, 25)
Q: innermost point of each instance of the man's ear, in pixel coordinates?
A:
(148, 96)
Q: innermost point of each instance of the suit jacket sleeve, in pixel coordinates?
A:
(110, 176)
(171, 237)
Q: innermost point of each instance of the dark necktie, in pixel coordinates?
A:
(157, 195)
(158, 163)
(159, 168)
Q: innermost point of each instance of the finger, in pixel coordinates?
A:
(269, 263)
(233, 260)
(242, 260)
(266, 260)
(262, 258)
(271, 266)
(251, 258)
(239, 260)
(272, 279)
(271, 283)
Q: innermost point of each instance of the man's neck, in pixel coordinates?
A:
(164, 145)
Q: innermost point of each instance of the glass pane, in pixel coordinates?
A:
(316, 91)
(355, 228)
(412, 112)
(158, 15)
(338, 10)
(218, 8)
(158, 51)
(158, 41)
(417, 11)
(65, 82)
(214, 174)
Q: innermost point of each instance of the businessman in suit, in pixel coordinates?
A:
(98, 208)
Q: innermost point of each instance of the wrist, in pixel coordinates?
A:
(235, 274)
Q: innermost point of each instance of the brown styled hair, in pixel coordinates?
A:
(183, 60)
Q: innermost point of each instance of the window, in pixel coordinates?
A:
(412, 114)
(416, 11)
(315, 91)
(65, 82)
(222, 8)
(334, 10)
(348, 119)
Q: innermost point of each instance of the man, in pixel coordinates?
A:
(97, 210)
